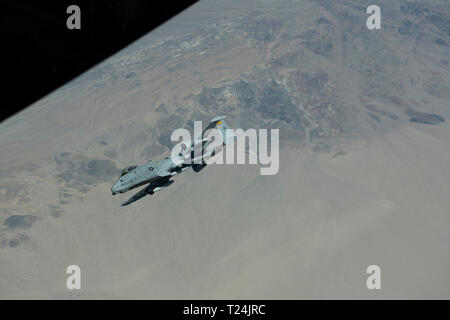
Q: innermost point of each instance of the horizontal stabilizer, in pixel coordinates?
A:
(198, 167)
(213, 123)
(227, 134)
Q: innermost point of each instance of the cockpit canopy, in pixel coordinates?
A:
(127, 170)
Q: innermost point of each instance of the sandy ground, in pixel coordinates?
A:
(308, 232)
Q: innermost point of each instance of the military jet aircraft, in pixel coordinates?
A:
(157, 174)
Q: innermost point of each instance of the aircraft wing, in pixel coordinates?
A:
(149, 189)
(142, 193)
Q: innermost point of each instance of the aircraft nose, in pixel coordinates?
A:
(113, 190)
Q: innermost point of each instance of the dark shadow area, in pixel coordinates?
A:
(41, 53)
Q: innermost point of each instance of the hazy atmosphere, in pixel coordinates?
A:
(364, 174)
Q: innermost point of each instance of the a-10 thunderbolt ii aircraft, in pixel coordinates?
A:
(157, 174)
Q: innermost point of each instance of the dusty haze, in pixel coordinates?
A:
(364, 176)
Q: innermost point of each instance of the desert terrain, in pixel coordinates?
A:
(364, 160)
